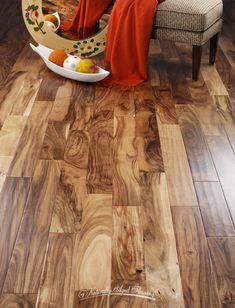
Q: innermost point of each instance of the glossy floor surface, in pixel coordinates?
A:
(112, 189)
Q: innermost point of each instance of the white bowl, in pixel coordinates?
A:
(56, 14)
(44, 53)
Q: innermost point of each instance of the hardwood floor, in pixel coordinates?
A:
(123, 190)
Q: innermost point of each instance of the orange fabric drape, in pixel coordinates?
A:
(129, 33)
(87, 15)
(128, 38)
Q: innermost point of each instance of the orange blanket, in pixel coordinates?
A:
(128, 38)
(127, 46)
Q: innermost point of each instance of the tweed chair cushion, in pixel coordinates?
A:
(188, 15)
(190, 37)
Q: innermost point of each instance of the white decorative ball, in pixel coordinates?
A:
(51, 26)
(71, 62)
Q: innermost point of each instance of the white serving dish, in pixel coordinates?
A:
(56, 14)
(44, 53)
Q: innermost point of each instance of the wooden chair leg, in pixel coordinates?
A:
(197, 55)
(213, 48)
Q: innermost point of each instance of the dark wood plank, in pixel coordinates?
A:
(55, 140)
(216, 217)
(31, 141)
(222, 252)
(12, 203)
(18, 300)
(200, 161)
(198, 279)
(27, 260)
(70, 195)
(224, 160)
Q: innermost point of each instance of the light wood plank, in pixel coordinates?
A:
(161, 261)
(18, 300)
(12, 203)
(57, 285)
(179, 178)
(200, 161)
(31, 141)
(127, 247)
(213, 81)
(214, 209)
(5, 162)
(224, 159)
(222, 252)
(28, 255)
(92, 259)
(10, 134)
(199, 285)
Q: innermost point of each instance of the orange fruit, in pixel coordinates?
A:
(51, 18)
(58, 57)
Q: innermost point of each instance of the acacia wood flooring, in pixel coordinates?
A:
(117, 189)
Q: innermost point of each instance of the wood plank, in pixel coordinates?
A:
(228, 48)
(198, 280)
(126, 189)
(94, 302)
(5, 162)
(165, 105)
(213, 81)
(57, 285)
(216, 217)
(124, 102)
(160, 255)
(224, 159)
(70, 195)
(127, 246)
(10, 134)
(179, 178)
(49, 86)
(20, 88)
(18, 300)
(226, 110)
(55, 140)
(200, 161)
(12, 200)
(222, 252)
(31, 141)
(28, 255)
(92, 258)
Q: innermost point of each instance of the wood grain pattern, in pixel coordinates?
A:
(165, 105)
(5, 162)
(10, 134)
(213, 80)
(199, 286)
(55, 140)
(70, 195)
(30, 142)
(224, 160)
(222, 252)
(20, 88)
(179, 178)
(161, 261)
(216, 217)
(18, 300)
(200, 161)
(93, 255)
(28, 255)
(226, 110)
(12, 200)
(57, 285)
(127, 246)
